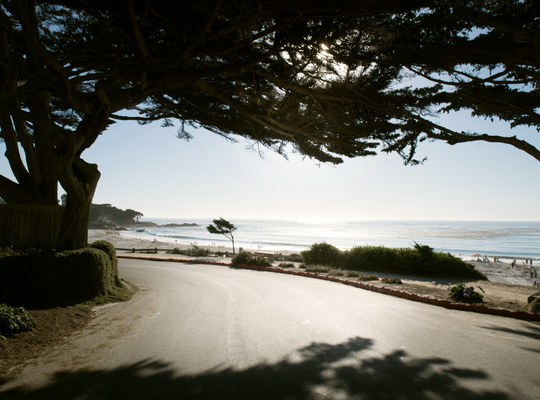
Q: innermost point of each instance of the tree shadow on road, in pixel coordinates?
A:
(347, 370)
(528, 331)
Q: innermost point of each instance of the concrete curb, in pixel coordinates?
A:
(477, 308)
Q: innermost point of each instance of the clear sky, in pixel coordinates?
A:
(148, 169)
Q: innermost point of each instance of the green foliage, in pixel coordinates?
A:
(108, 248)
(317, 269)
(420, 260)
(223, 227)
(392, 281)
(426, 252)
(364, 277)
(465, 294)
(106, 216)
(246, 259)
(7, 251)
(322, 254)
(63, 278)
(14, 320)
(194, 251)
(286, 265)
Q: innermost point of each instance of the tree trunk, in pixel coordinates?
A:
(80, 185)
(73, 232)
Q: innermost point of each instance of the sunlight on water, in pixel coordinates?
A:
(515, 239)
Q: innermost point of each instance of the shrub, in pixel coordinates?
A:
(426, 252)
(317, 269)
(322, 254)
(418, 261)
(176, 250)
(465, 294)
(246, 259)
(197, 251)
(14, 320)
(51, 279)
(7, 251)
(286, 265)
(392, 281)
(366, 278)
(108, 248)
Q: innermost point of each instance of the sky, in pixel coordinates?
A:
(146, 168)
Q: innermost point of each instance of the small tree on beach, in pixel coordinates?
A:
(223, 227)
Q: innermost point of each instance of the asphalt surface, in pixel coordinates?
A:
(211, 332)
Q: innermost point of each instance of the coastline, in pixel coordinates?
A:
(503, 292)
(496, 271)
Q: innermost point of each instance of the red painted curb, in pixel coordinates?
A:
(477, 308)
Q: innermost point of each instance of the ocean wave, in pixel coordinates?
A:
(514, 239)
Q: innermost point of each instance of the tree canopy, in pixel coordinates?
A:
(329, 79)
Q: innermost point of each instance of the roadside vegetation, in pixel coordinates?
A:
(194, 251)
(14, 320)
(52, 279)
(420, 260)
(246, 259)
(35, 279)
(465, 294)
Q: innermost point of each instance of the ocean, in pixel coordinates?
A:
(460, 238)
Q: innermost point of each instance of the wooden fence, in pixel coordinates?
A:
(29, 226)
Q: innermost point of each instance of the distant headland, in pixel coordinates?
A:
(106, 216)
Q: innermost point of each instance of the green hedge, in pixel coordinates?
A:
(63, 278)
(246, 259)
(420, 260)
(109, 249)
(322, 254)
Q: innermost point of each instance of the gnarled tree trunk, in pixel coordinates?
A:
(80, 183)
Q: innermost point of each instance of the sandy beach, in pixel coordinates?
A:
(508, 287)
(500, 271)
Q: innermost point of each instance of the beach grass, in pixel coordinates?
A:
(419, 260)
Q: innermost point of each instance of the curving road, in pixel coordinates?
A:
(210, 332)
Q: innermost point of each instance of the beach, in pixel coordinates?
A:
(507, 288)
(500, 271)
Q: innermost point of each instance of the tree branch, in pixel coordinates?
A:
(12, 149)
(141, 44)
(14, 193)
(452, 137)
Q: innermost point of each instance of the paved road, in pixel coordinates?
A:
(210, 332)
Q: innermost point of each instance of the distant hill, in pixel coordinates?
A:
(106, 216)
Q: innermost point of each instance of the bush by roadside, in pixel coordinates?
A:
(420, 260)
(246, 259)
(465, 294)
(14, 320)
(48, 279)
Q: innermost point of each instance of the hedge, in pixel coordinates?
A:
(420, 260)
(62, 278)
